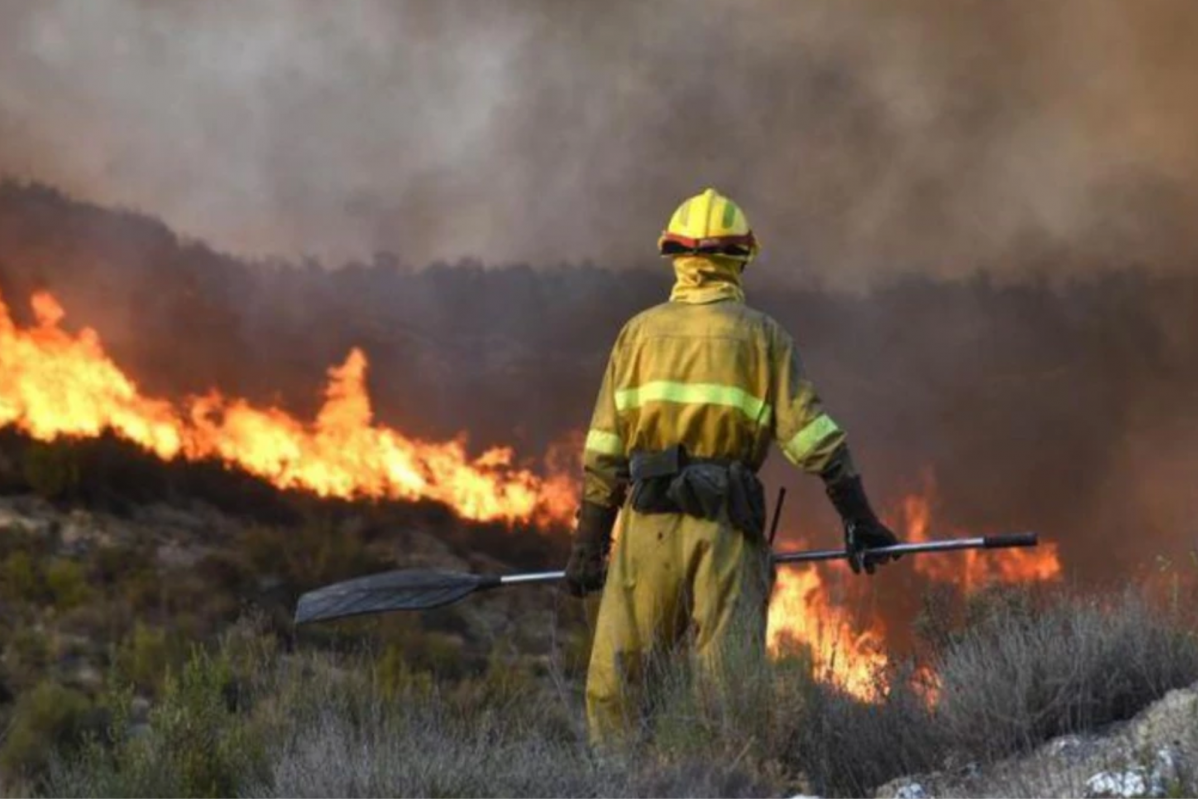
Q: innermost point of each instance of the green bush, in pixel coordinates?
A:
(67, 583)
(394, 676)
(52, 469)
(321, 550)
(27, 653)
(198, 738)
(46, 719)
(195, 743)
(143, 657)
(21, 579)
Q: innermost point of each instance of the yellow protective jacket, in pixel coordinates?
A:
(706, 371)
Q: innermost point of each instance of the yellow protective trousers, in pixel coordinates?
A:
(671, 579)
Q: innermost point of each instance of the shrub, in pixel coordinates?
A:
(783, 729)
(321, 551)
(1024, 672)
(394, 676)
(847, 747)
(143, 657)
(48, 718)
(20, 578)
(195, 744)
(67, 583)
(27, 653)
(197, 737)
(254, 719)
(52, 469)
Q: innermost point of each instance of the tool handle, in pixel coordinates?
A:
(1010, 540)
(517, 579)
(777, 514)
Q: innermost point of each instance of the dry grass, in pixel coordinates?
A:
(311, 724)
(1025, 671)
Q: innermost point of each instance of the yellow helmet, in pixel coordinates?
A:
(709, 224)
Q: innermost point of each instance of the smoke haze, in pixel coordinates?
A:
(1068, 409)
(1013, 183)
(865, 139)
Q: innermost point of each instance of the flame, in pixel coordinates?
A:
(801, 615)
(55, 384)
(853, 656)
(974, 569)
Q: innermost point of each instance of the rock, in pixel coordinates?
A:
(1169, 768)
(82, 531)
(912, 790)
(1066, 746)
(1159, 779)
(172, 555)
(139, 710)
(88, 676)
(1152, 755)
(1172, 721)
(903, 788)
(14, 517)
(1132, 782)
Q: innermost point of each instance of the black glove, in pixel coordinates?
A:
(862, 529)
(586, 570)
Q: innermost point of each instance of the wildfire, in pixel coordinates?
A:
(800, 613)
(853, 657)
(54, 384)
(974, 569)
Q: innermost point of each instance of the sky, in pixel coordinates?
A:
(864, 140)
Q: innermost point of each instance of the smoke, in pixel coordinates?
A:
(877, 144)
(1065, 408)
(865, 139)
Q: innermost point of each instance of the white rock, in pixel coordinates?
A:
(912, 790)
(14, 519)
(1129, 783)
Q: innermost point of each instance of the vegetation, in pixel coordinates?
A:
(248, 717)
(1025, 672)
(52, 471)
(148, 650)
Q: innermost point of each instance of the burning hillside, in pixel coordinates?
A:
(995, 390)
(59, 384)
(56, 384)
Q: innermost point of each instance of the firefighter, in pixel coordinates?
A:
(694, 392)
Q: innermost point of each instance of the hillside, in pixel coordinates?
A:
(146, 613)
(141, 592)
(116, 565)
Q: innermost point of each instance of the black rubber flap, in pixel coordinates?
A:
(417, 589)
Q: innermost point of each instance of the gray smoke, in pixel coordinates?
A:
(863, 138)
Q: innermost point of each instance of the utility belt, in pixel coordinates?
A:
(672, 481)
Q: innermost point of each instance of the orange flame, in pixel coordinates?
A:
(55, 384)
(801, 615)
(974, 569)
(853, 657)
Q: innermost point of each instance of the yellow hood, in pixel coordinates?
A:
(706, 278)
